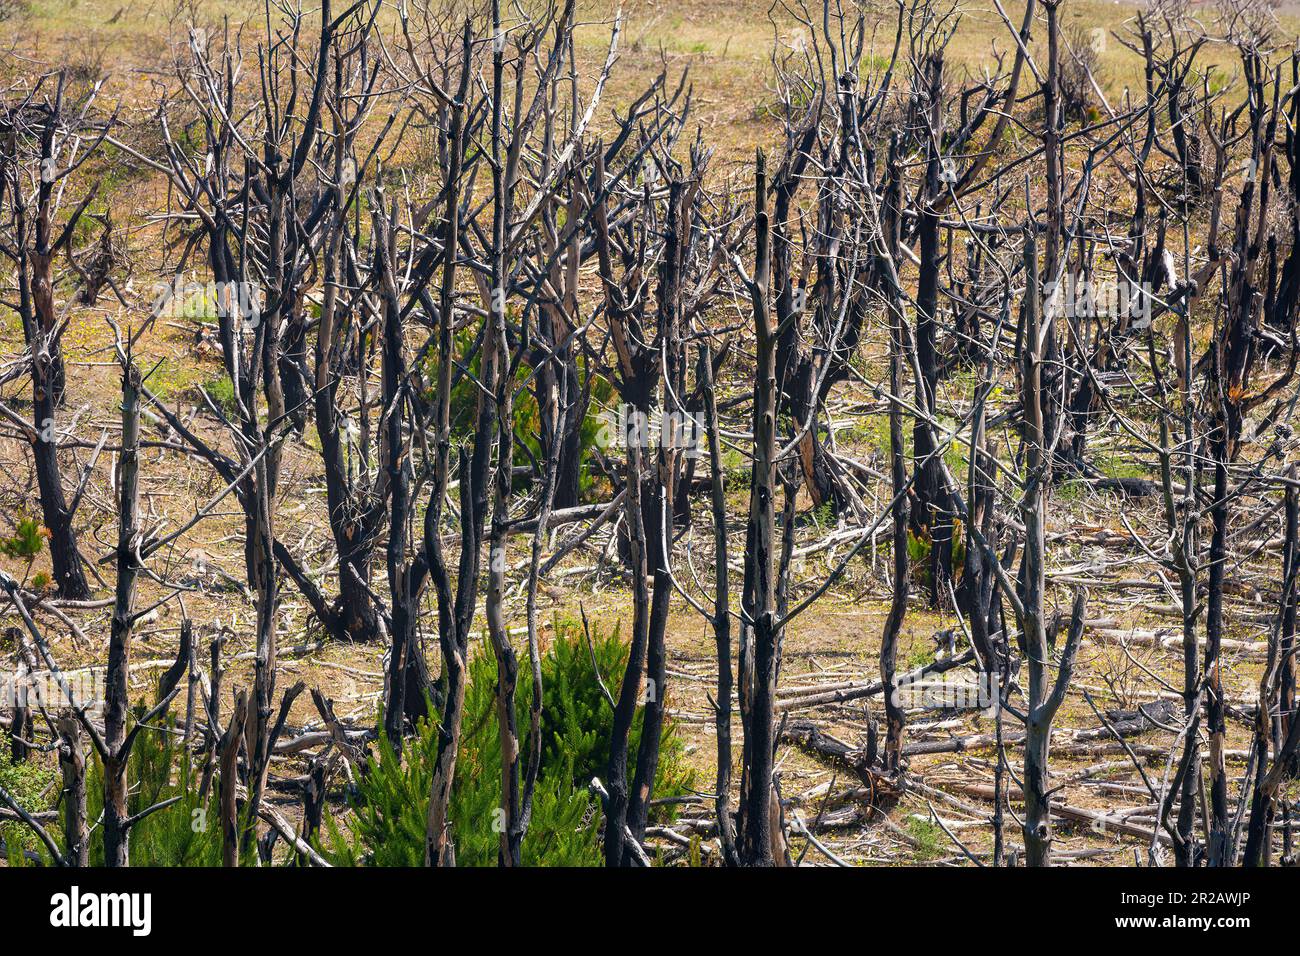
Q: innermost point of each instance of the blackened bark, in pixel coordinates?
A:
(1044, 697)
(721, 616)
(408, 682)
(72, 761)
(455, 611)
(758, 612)
(931, 515)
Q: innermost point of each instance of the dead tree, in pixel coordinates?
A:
(819, 285)
(1245, 285)
(44, 143)
(114, 745)
(761, 844)
(241, 199)
(895, 717)
(721, 617)
(1045, 696)
(931, 514)
(72, 764)
(455, 612)
(355, 492)
(644, 237)
(519, 256)
(1275, 728)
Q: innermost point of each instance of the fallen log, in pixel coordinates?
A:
(862, 763)
(843, 693)
(1099, 822)
(1167, 639)
(1126, 724)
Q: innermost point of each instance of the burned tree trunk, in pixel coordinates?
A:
(1275, 725)
(72, 760)
(455, 613)
(895, 717)
(758, 610)
(117, 705)
(1044, 696)
(31, 137)
(408, 682)
(931, 513)
(721, 616)
(497, 398)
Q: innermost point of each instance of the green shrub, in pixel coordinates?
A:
(575, 711)
(222, 392)
(929, 838)
(28, 539)
(171, 378)
(186, 833)
(388, 814)
(385, 824)
(35, 787)
(918, 657)
(563, 830)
